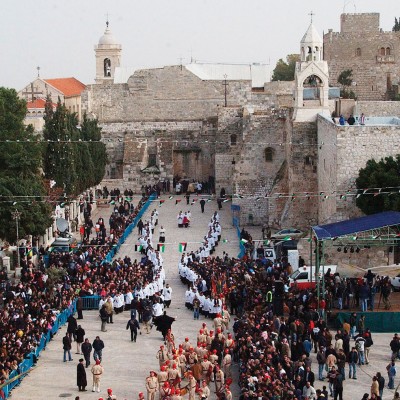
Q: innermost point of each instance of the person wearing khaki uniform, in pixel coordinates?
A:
(205, 390)
(205, 365)
(151, 386)
(162, 355)
(162, 378)
(226, 364)
(173, 376)
(110, 310)
(97, 370)
(191, 386)
(219, 379)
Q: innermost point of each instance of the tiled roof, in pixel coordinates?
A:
(38, 103)
(68, 86)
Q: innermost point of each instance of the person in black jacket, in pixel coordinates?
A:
(81, 380)
(67, 347)
(86, 350)
(353, 360)
(133, 324)
(79, 337)
(381, 382)
(72, 325)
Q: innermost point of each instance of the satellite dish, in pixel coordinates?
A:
(63, 227)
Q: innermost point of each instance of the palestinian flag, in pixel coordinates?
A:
(171, 197)
(161, 247)
(138, 247)
(208, 200)
(161, 202)
(224, 240)
(182, 247)
(243, 241)
(286, 238)
(112, 202)
(177, 201)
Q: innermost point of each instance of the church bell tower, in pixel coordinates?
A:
(311, 78)
(108, 57)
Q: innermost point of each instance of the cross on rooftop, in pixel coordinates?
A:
(311, 14)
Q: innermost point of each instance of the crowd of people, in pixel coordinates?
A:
(30, 306)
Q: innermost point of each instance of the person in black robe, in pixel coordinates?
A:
(164, 323)
(81, 380)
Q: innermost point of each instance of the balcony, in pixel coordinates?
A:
(385, 59)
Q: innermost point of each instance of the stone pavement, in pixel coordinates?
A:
(127, 364)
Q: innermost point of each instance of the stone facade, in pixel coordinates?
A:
(342, 152)
(372, 54)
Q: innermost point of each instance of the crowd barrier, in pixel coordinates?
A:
(380, 321)
(241, 245)
(91, 302)
(110, 255)
(29, 361)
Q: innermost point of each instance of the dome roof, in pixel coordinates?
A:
(108, 38)
(312, 35)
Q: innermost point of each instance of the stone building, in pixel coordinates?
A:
(268, 144)
(372, 55)
(68, 90)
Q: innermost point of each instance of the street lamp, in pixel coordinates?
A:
(16, 215)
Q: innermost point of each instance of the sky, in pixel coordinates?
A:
(59, 36)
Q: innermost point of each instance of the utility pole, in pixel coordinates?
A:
(225, 85)
(16, 215)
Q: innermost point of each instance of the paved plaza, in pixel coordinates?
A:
(126, 364)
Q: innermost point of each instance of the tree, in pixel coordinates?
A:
(21, 184)
(382, 174)
(74, 157)
(284, 71)
(345, 79)
(396, 27)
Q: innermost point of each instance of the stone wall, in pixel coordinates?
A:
(301, 210)
(358, 47)
(354, 146)
(162, 94)
(260, 165)
(378, 108)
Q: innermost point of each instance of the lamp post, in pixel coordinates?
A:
(16, 215)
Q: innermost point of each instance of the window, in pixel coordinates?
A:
(152, 160)
(269, 154)
(358, 52)
(388, 51)
(382, 51)
(107, 67)
(233, 139)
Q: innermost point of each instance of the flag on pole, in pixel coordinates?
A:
(208, 200)
(182, 247)
(171, 197)
(226, 200)
(243, 241)
(177, 201)
(286, 238)
(224, 240)
(138, 247)
(161, 247)
(161, 201)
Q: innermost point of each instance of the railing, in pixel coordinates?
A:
(91, 302)
(24, 367)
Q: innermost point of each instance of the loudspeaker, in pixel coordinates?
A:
(279, 290)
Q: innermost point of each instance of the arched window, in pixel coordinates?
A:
(382, 51)
(269, 154)
(233, 140)
(107, 67)
(388, 51)
(358, 52)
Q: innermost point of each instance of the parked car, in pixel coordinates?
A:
(289, 232)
